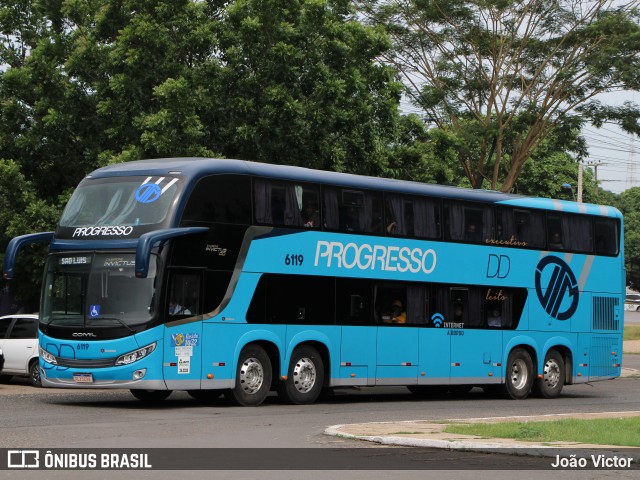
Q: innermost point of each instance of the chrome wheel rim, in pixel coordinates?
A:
(552, 373)
(251, 375)
(519, 374)
(304, 375)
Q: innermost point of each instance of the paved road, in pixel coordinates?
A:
(631, 318)
(110, 419)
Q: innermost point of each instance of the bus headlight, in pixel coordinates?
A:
(46, 356)
(136, 355)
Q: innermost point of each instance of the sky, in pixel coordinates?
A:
(616, 151)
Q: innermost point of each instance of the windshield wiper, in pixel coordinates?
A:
(121, 322)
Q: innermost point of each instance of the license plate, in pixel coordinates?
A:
(83, 378)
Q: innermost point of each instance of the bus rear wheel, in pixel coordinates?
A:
(553, 376)
(305, 377)
(253, 377)
(519, 374)
(151, 396)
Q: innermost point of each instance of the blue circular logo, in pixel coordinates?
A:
(148, 193)
(560, 295)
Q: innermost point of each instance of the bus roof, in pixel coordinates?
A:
(194, 168)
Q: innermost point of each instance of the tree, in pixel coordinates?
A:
(501, 75)
(84, 83)
(35, 215)
(630, 206)
(300, 85)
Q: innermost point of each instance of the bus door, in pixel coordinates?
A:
(399, 310)
(183, 336)
(358, 346)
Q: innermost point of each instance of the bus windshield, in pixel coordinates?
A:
(126, 201)
(97, 290)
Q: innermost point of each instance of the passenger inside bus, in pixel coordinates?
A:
(176, 309)
(310, 216)
(396, 313)
(555, 241)
(472, 234)
(495, 318)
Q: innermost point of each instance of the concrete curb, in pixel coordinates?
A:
(383, 434)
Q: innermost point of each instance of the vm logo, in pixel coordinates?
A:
(557, 288)
(148, 193)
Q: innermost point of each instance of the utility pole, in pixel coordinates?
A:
(579, 181)
(631, 165)
(595, 165)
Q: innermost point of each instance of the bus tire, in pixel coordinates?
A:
(553, 376)
(253, 377)
(519, 375)
(305, 377)
(151, 396)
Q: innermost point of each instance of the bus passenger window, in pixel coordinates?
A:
(353, 302)
(391, 303)
(459, 305)
(353, 211)
(606, 236)
(520, 228)
(498, 307)
(220, 198)
(468, 223)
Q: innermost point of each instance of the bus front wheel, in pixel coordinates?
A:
(519, 374)
(253, 377)
(553, 375)
(305, 377)
(151, 396)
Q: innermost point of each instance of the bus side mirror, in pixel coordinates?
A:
(15, 245)
(147, 241)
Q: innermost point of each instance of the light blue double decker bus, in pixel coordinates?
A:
(225, 276)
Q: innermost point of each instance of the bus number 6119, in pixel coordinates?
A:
(293, 259)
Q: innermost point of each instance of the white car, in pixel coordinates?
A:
(19, 343)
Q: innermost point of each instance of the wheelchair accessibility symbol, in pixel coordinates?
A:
(94, 311)
(560, 295)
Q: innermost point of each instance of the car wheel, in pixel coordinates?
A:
(34, 373)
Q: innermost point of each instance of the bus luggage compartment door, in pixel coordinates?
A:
(476, 356)
(397, 355)
(183, 356)
(357, 357)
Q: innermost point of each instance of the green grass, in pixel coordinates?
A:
(601, 431)
(631, 332)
